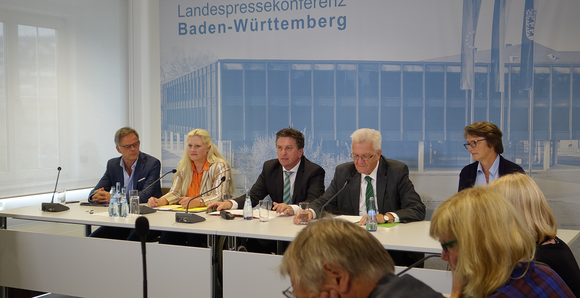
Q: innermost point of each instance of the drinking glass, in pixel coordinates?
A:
(61, 196)
(264, 210)
(134, 201)
(303, 211)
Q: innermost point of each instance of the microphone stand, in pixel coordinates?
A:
(146, 209)
(190, 217)
(52, 206)
(336, 194)
(417, 263)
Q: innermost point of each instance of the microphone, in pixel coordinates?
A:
(142, 229)
(54, 207)
(146, 209)
(417, 263)
(336, 194)
(190, 217)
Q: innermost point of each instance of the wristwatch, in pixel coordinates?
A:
(201, 202)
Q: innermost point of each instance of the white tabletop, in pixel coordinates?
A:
(412, 236)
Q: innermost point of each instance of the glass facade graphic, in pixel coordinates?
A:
(418, 106)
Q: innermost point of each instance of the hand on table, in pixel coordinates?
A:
(101, 196)
(155, 202)
(296, 219)
(227, 205)
(380, 219)
(283, 208)
(184, 200)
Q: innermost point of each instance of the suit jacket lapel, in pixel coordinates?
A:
(381, 183)
(355, 191)
(297, 181)
(279, 183)
(138, 168)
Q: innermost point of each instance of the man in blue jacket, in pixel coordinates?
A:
(134, 170)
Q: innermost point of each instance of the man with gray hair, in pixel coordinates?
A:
(344, 260)
(371, 174)
(135, 170)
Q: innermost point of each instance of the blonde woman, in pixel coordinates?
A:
(490, 249)
(201, 168)
(529, 201)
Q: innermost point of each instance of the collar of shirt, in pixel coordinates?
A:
(294, 170)
(362, 205)
(128, 179)
(493, 173)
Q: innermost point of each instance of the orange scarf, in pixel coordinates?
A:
(195, 185)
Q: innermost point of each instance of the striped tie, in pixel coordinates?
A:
(370, 193)
(287, 196)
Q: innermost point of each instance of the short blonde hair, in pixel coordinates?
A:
(492, 238)
(528, 199)
(337, 243)
(364, 135)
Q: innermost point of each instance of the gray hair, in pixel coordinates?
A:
(364, 135)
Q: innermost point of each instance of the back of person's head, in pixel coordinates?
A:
(336, 243)
(487, 130)
(123, 132)
(292, 133)
(491, 236)
(364, 135)
(528, 199)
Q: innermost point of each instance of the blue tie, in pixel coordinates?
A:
(287, 196)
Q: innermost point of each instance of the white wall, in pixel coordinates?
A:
(108, 78)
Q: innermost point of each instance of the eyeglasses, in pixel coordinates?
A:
(472, 143)
(289, 292)
(445, 246)
(135, 145)
(363, 157)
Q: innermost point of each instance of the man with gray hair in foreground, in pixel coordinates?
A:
(336, 258)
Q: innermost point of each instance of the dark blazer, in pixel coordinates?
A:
(393, 286)
(146, 171)
(394, 193)
(469, 172)
(308, 185)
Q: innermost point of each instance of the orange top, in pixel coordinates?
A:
(194, 187)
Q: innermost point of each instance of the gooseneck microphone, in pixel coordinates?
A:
(190, 217)
(418, 263)
(54, 207)
(142, 229)
(336, 194)
(146, 209)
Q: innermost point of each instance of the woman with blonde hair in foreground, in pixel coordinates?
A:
(530, 202)
(490, 249)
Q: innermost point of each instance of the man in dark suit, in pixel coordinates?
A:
(371, 174)
(134, 170)
(395, 194)
(303, 179)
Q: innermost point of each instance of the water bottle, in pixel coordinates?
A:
(248, 212)
(113, 207)
(372, 216)
(123, 205)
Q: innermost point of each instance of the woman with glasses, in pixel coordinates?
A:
(490, 249)
(529, 201)
(201, 169)
(485, 145)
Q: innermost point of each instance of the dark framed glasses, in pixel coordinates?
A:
(472, 143)
(445, 246)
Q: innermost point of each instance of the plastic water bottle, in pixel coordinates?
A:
(372, 216)
(113, 206)
(123, 205)
(248, 212)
